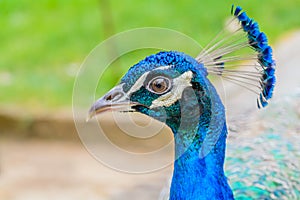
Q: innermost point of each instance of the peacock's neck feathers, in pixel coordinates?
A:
(200, 149)
(204, 176)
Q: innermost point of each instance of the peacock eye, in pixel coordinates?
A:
(159, 85)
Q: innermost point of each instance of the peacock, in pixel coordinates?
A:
(173, 87)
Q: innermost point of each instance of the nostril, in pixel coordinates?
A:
(108, 98)
(114, 96)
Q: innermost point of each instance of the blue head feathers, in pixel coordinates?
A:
(175, 73)
(177, 61)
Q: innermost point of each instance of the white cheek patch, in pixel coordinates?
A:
(179, 84)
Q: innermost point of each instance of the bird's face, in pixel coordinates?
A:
(163, 86)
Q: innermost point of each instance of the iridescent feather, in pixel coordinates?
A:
(263, 162)
(219, 57)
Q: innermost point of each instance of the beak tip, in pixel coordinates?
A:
(90, 115)
(87, 119)
(114, 100)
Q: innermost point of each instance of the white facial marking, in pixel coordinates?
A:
(138, 84)
(163, 67)
(179, 84)
(120, 87)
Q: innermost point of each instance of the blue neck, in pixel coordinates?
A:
(200, 178)
(200, 144)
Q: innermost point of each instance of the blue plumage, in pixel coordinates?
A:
(190, 126)
(259, 41)
(173, 88)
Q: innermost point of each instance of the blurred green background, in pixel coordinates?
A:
(43, 43)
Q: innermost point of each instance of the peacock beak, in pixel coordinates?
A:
(115, 100)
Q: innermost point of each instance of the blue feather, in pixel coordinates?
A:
(215, 58)
(259, 41)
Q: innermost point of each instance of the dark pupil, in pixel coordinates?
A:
(159, 85)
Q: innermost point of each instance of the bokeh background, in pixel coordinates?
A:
(42, 45)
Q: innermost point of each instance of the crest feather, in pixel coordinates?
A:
(220, 57)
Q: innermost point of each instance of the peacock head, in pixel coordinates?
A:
(171, 87)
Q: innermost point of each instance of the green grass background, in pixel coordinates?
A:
(43, 43)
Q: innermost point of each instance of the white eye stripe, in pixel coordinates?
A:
(179, 84)
(164, 67)
(140, 82)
